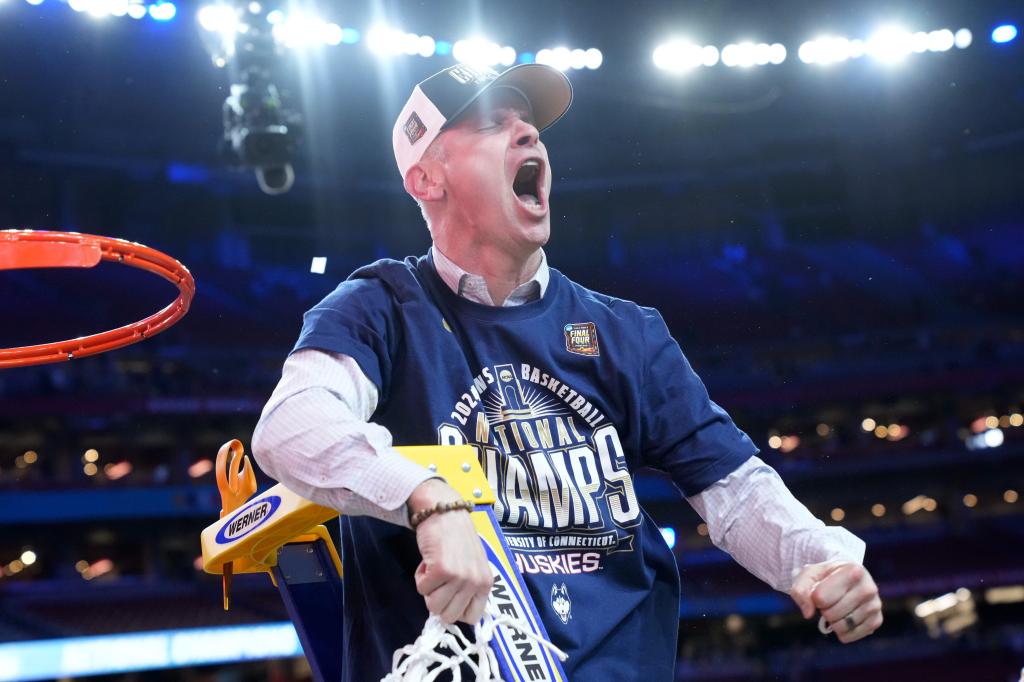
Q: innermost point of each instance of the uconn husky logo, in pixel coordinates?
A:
(561, 602)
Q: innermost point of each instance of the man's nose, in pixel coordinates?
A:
(526, 134)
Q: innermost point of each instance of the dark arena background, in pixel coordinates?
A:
(824, 199)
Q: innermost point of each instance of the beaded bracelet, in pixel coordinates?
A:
(422, 515)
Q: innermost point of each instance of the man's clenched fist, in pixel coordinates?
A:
(844, 593)
(454, 577)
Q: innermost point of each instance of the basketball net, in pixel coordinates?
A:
(422, 661)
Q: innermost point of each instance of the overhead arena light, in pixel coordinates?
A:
(559, 57)
(679, 56)
(483, 52)
(102, 8)
(1004, 34)
(98, 8)
(940, 41)
(218, 19)
(578, 59)
(426, 46)
(563, 59)
(386, 41)
(295, 29)
(830, 50)
(891, 44)
(163, 11)
(749, 54)
(299, 29)
(736, 55)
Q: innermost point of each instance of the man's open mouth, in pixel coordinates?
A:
(527, 184)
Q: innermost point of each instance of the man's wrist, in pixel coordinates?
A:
(429, 493)
(418, 517)
(431, 497)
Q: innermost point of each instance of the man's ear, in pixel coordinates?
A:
(424, 181)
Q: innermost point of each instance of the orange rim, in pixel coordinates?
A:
(49, 249)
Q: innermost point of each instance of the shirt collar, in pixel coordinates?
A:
(474, 287)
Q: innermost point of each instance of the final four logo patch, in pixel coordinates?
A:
(414, 128)
(581, 338)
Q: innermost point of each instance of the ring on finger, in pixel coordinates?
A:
(850, 622)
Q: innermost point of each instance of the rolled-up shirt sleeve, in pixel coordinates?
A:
(315, 437)
(753, 516)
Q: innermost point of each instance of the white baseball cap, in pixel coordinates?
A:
(440, 99)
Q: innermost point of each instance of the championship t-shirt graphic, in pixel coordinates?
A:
(565, 496)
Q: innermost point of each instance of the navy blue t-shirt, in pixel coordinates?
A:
(563, 398)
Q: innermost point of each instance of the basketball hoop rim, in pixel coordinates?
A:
(49, 248)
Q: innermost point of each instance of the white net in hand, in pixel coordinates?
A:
(421, 662)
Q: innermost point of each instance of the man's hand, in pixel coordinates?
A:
(845, 594)
(454, 576)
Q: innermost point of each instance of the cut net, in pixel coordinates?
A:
(422, 662)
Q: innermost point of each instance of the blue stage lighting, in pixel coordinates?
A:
(163, 11)
(442, 47)
(349, 36)
(1004, 33)
(154, 650)
(183, 173)
(527, 58)
(670, 536)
